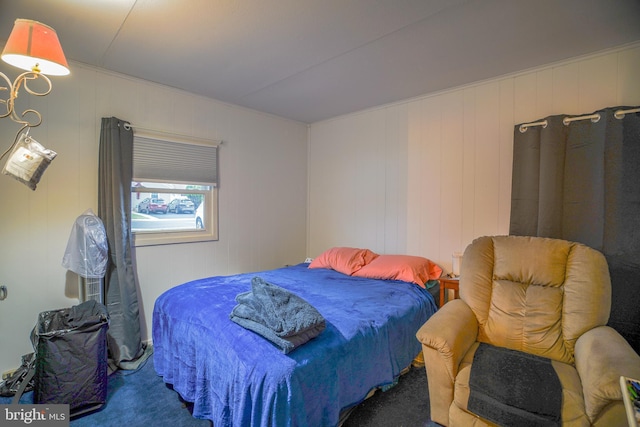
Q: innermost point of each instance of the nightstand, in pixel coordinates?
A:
(447, 283)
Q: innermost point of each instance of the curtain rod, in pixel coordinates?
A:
(593, 117)
(620, 113)
(524, 127)
(175, 137)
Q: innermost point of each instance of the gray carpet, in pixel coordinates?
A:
(404, 405)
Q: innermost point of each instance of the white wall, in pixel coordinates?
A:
(262, 205)
(424, 176)
(428, 175)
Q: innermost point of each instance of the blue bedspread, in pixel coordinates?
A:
(235, 377)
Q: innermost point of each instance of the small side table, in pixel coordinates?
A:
(447, 283)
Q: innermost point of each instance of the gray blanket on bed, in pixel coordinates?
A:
(278, 315)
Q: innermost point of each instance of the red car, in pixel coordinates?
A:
(152, 206)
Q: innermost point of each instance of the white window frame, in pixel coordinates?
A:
(210, 199)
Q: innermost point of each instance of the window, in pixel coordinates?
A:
(174, 191)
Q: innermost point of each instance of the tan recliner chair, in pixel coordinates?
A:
(545, 297)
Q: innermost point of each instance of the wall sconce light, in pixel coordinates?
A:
(32, 46)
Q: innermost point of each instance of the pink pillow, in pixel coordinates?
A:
(408, 268)
(344, 260)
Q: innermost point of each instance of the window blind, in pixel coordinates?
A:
(169, 161)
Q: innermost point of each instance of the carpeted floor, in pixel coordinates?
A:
(404, 405)
(140, 398)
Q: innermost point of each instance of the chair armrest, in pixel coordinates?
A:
(602, 356)
(451, 331)
(446, 337)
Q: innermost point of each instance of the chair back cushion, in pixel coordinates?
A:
(534, 294)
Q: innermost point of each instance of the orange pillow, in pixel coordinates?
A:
(345, 260)
(408, 268)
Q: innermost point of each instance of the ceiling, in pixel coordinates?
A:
(310, 60)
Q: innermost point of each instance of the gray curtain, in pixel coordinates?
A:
(581, 182)
(114, 208)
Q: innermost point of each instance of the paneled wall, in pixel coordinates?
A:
(262, 205)
(424, 176)
(428, 175)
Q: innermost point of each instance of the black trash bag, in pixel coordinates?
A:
(71, 357)
(11, 385)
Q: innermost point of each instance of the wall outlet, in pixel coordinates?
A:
(308, 260)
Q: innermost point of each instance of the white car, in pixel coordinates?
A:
(200, 216)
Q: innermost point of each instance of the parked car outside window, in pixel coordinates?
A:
(143, 206)
(200, 217)
(181, 205)
(152, 206)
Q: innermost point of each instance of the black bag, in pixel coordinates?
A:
(24, 373)
(69, 365)
(71, 357)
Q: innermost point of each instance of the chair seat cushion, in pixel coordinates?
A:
(571, 400)
(510, 387)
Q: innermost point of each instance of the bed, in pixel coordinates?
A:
(235, 377)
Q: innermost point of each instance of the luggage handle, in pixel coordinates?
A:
(24, 383)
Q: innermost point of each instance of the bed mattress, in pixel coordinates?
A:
(235, 377)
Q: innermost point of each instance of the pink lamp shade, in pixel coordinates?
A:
(34, 46)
